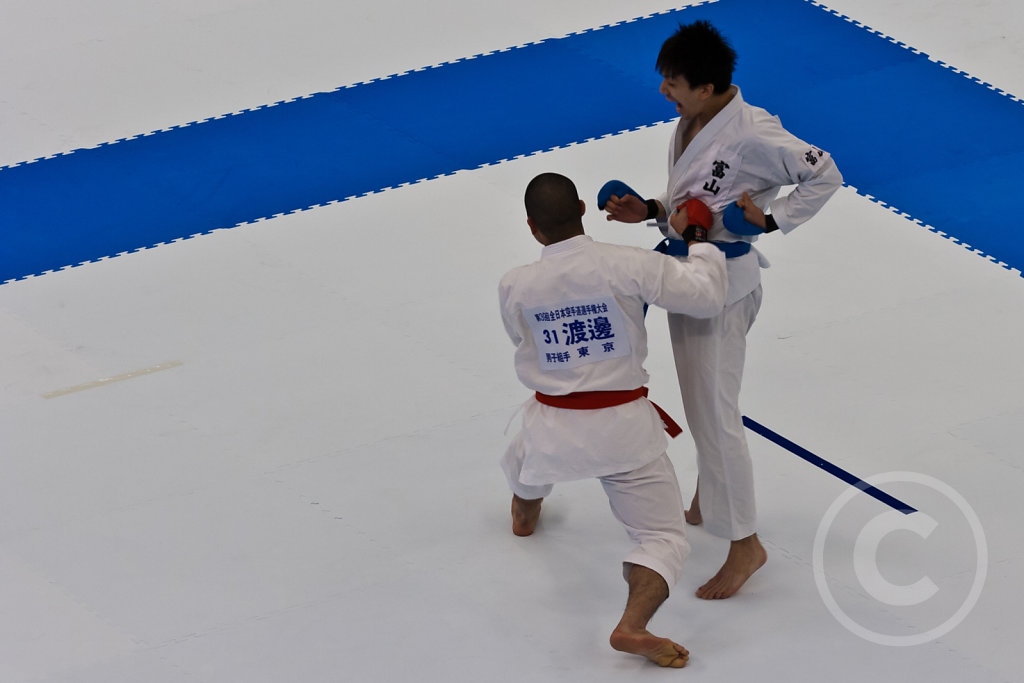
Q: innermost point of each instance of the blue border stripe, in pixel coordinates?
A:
(894, 121)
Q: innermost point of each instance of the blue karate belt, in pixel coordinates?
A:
(680, 248)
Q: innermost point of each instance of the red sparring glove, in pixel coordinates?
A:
(698, 220)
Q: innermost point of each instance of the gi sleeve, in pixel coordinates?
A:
(810, 194)
(695, 285)
(509, 316)
(791, 161)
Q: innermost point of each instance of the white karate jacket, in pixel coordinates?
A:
(746, 149)
(576, 317)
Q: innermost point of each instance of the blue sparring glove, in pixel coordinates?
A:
(617, 188)
(735, 223)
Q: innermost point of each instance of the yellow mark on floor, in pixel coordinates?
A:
(110, 380)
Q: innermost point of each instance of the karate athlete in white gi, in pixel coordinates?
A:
(735, 158)
(576, 317)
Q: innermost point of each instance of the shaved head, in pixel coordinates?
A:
(553, 204)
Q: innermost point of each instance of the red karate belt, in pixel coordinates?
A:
(592, 400)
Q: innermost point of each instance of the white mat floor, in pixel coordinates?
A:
(305, 486)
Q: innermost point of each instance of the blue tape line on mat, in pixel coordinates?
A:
(222, 172)
(834, 470)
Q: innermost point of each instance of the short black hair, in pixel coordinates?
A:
(553, 204)
(700, 54)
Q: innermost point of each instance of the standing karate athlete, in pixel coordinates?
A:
(735, 158)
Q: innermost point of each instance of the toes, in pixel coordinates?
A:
(677, 663)
(715, 589)
(676, 657)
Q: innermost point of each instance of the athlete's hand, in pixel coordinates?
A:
(679, 219)
(692, 220)
(626, 209)
(751, 212)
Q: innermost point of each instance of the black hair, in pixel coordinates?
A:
(553, 204)
(700, 54)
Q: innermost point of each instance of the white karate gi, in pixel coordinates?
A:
(580, 294)
(742, 149)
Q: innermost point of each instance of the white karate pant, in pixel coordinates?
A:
(709, 355)
(647, 502)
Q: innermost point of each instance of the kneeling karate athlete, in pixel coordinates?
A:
(576, 317)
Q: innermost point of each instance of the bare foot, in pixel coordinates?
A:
(746, 556)
(647, 591)
(525, 514)
(661, 651)
(693, 515)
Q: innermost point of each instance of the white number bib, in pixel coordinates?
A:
(578, 332)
